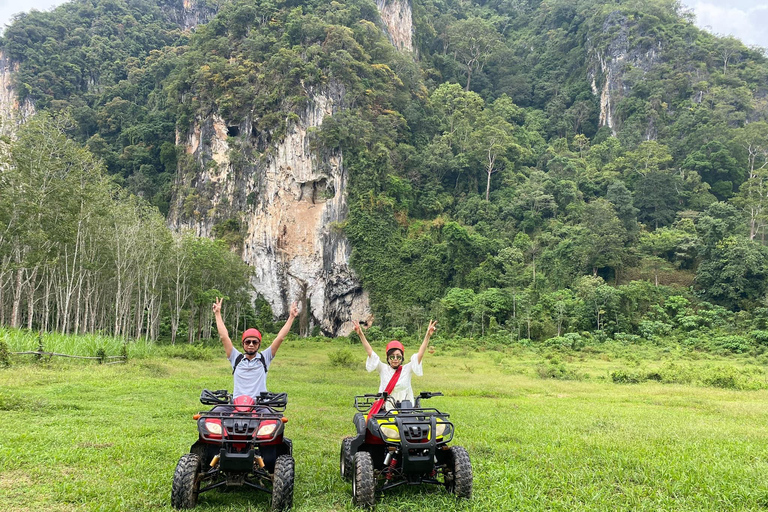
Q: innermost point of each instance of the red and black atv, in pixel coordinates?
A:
(241, 443)
(403, 445)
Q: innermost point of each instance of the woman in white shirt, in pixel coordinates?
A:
(395, 353)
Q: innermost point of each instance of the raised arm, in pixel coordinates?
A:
(223, 333)
(359, 332)
(430, 332)
(293, 313)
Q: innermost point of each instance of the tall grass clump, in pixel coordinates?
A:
(5, 354)
(718, 376)
(193, 352)
(89, 345)
(342, 357)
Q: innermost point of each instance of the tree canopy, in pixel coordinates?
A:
(534, 167)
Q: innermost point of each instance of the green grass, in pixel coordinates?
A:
(76, 435)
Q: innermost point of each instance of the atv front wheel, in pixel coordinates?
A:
(363, 484)
(282, 483)
(458, 477)
(346, 467)
(186, 482)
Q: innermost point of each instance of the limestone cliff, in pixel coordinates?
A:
(397, 16)
(12, 113)
(289, 198)
(609, 66)
(188, 14)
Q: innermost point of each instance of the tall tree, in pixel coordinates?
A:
(472, 41)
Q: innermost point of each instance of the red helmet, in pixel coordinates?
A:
(252, 333)
(394, 344)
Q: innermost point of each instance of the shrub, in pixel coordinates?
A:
(196, 352)
(693, 342)
(723, 377)
(571, 340)
(628, 339)
(374, 333)
(398, 333)
(627, 377)
(555, 369)
(673, 373)
(651, 330)
(5, 355)
(691, 322)
(733, 344)
(760, 336)
(342, 357)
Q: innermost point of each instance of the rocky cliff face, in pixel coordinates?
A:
(609, 65)
(397, 16)
(188, 14)
(12, 113)
(289, 198)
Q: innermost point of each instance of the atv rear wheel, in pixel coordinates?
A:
(458, 476)
(282, 483)
(346, 467)
(363, 484)
(186, 482)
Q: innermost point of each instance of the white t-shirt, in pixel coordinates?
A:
(402, 389)
(250, 377)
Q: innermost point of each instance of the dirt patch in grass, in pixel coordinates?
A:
(14, 479)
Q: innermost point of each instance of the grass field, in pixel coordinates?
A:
(76, 435)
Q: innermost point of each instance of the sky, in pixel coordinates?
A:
(745, 19)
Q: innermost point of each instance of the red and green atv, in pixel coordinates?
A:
(240, 444)
(403, 445)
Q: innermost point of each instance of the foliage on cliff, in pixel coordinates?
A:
(536, 168)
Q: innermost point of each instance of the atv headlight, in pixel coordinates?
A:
(442, 430)
(213, 427)
(266, 429)
(389, 432)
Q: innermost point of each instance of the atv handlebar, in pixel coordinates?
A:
(218, 397)
(363, 403)
(276, 401)
(429, 394)
(265, 399)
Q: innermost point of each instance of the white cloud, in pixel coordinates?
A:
(743, 19)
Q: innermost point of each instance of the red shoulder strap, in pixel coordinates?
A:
(376, 407)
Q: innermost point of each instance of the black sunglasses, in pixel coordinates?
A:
(251, 342)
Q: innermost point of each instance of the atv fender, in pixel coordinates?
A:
(359, 421)
(287, 447)
(359, 439)
(205, 451)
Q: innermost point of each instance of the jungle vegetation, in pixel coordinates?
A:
(485, 189)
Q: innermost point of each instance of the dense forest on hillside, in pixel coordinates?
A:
(490, 184)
